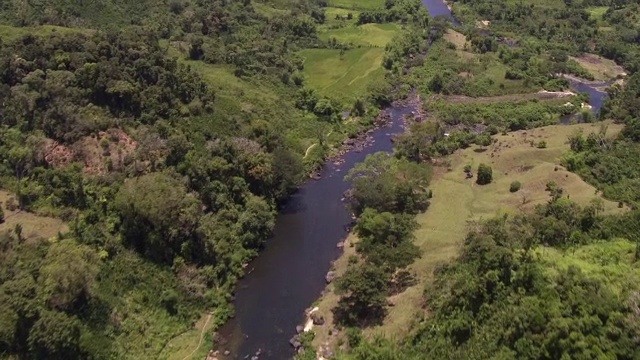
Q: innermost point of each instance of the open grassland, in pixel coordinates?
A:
(597, 12)
(357, 4)
(612, 262)
(458, 200)
(335, 17)
(34, 227)
(550, 4)
(192, 344)
(366, 35)
(11, 33)
(602, 69)
(456, 38)
(342, 77)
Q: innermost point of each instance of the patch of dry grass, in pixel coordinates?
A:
(456, 38)
(602, 69)
(458, 200)
(34, 227)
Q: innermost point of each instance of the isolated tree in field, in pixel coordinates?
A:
(485, 174)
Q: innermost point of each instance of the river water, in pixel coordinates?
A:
(288, 276)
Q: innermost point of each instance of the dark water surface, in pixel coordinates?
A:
(288, 276)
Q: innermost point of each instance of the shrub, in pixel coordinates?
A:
(542, 144)
(1, 215)
(515, 186)
(485, 174)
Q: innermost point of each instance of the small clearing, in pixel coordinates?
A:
(342, 77)
(456, 38)
(34, 227)
(602, 69)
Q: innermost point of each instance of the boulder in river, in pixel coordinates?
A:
(299, 329)
(330, 276)
(317, 319)
(295, 342)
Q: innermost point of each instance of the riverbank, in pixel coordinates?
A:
(457, 200)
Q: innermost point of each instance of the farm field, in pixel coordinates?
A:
(377, 35)
(342, 76)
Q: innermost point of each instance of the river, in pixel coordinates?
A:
(288, 276)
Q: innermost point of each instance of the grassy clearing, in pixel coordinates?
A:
(11, 33)
(456, 38)
(612, 262)
(602, 69)
(597, 12)
(357, 4)
(367, 35)
(268, 10)
(192, 344)
(338, 17)
(343, 77)
(550, 4)
(458, 200)
(34, 227)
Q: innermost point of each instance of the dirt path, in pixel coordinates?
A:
(309, 149)
(204, 328)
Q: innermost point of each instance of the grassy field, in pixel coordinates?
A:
(602, 69)
(366, 35)
(458, 200)
(34, 227)
(10, 33)
(343, 77)
(456, 38)
(192, 344)
(357, 4)
(612, 262)
(338, 17)
(597, 12)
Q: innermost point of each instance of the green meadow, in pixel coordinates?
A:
(342, 77)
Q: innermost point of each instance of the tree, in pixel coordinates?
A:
(485, 174)
(386, 239)
(385, 183)
(68, 274)
(55, 335)
(363, 289)
(515, 186)
(158, 215)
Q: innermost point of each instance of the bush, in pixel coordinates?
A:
(542, 144)
(1, 215)
(485, 174)
(515, 186)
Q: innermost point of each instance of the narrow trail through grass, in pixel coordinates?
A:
(204, 329)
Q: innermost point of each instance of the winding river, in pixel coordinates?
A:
(288, 276)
